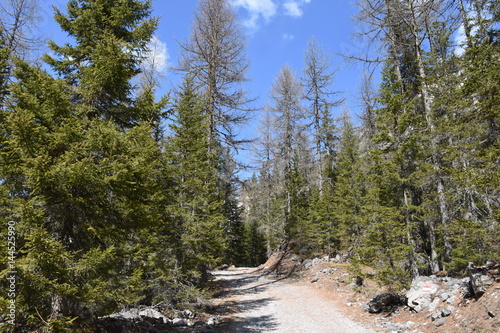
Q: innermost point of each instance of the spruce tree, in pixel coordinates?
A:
(198, 209)
(82, 184)
(348, 192)
(110, 38)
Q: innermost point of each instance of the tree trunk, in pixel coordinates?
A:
(443, 205)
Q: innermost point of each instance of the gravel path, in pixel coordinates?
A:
(267, 305)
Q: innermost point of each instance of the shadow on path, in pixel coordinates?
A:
(244, 296)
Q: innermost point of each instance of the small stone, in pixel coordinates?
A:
(491, 314)
(176, 322)
(436, 315)
(188, 314)
(445, 312)
(440, 322)
(467, 321)
(211, 321)
(434, 304)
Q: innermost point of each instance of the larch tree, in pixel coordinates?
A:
(18, 20)
(215, 56)
(287, 113)
(317, 85)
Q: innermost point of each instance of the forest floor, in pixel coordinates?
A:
(324, 299)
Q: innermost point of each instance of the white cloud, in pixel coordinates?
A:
(257, 9)
(157, 55)
(288, 37)
(293, 8)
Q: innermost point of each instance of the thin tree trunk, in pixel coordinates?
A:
(411, 241)
(443, 205)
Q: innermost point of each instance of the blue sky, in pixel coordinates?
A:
(277, 34)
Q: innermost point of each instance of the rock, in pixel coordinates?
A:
(446, 311)
(177, 322)
(132, 314)
(316, 262)
(440, 322)
(315, 280)
(383, 302)
(434, 304)
(480, 283)
(436, 315)
(307, 263)
(212, 321)
(188, 314)
(445, 296)
(421, 293)
(451, 300)
(153, 316)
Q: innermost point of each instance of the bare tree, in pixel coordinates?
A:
(367, 98)
(154, 63)
(214, 56)
(18, 20)
(287, 114)
(317, 91)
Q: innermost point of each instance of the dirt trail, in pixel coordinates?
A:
(268, 305)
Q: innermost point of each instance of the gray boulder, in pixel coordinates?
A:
(480, 283)
(421, 294)
(153, 316)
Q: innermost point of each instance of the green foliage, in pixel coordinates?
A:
(81, 171)
(254, 244)
(111, 37)
(197, 209)
(349, 189)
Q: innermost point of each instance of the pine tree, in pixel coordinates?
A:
(82, 192)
